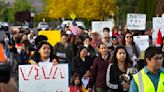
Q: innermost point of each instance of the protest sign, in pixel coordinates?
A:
(158, 23)
(142, 42)
(52, 35)
(136, 21)
(99, 25)
(43, 78)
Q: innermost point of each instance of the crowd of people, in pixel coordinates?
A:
(97, 62)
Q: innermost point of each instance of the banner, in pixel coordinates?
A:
(43, 78)
(53, 36)
(158, 23)
(136, 21)
(98, 26)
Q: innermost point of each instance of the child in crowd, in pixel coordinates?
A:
(76, 84)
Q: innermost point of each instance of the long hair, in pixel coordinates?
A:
(114, 60)
(133, 44)
(36, 57)
(128, 32)
(75, 75)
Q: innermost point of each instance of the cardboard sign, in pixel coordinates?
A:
(158, 23)
(98, 26)
(136, 21)
(52, 35)
(43, 78)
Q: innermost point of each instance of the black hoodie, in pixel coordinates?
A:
(79, 66)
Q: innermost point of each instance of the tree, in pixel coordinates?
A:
(160, 7)
(11, 13)
(23, 16)
(123, 8)
(55, 8)
(88, 9)
(19, 5)
(148, 7)
(3, 9)
(108, 8)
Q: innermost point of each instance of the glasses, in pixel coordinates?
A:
(128, 36)
(114, 39)
(107, 37)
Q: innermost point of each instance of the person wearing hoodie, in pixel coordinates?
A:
(81, 64)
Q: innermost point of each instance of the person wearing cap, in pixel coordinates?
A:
(114, 43)
(114, 40)
(151, 77)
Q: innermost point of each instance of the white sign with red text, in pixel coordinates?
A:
(43, 78)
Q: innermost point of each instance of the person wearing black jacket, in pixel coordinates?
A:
(91, 50)
(81, 64)
(118, 76)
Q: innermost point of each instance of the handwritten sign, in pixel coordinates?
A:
(136, 21)
(43, 78)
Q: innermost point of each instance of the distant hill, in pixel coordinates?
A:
(38, 4)
(9, 1)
